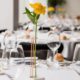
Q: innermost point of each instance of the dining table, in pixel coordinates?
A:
(45, 37)
(23, 72)
(43, 70)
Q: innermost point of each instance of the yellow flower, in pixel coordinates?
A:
(60, 9)
(51, 9)
(38, 8)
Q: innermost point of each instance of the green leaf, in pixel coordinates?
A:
(30, 15)
(38, 17)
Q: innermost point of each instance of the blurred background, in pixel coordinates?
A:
(11, 11)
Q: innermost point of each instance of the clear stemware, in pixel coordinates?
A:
(16, 62)
(9, 43)
(53, 47)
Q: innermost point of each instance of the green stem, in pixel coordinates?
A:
(35, 47)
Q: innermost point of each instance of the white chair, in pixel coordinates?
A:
(76, 55)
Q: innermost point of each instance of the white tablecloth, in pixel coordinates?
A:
(44, 38)
(44, 71)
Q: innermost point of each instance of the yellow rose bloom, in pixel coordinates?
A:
(51, 9)
(38, 8)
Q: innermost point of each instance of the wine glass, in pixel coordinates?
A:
(16, 62)
(53, 47)
(16, 55)
(9, 43)
(10, 40)
(3, 63)
(56, 61)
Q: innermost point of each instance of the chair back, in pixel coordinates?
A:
(76, 55)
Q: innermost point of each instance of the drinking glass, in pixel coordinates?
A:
(9, 43)
(10, 40)
(53, 47)
(16, 62)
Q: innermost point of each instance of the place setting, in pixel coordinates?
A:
(39, 40)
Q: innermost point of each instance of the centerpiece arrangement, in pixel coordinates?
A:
(34, 15)
(56, 6)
